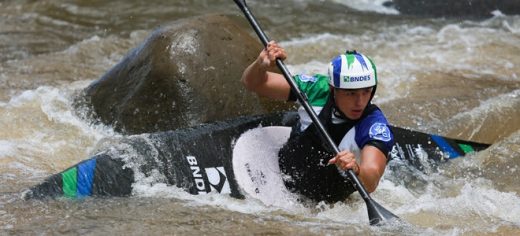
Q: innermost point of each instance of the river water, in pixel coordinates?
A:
(457, 78)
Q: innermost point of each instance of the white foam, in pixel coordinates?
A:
(7, 148)
(478, 200)
(368, 5)
(56, 104)
(353, 212)
(155, 186)
(162, 190)
(43, 133)
(502, 21)
(311, 39)
(21, 99)
(478, 115)
(76, 47)
(403, 51)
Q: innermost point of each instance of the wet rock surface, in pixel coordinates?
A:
(184, 74)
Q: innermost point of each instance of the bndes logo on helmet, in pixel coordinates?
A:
(356, 78)
(215, 177)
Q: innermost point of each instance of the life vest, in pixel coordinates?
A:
(304, 158)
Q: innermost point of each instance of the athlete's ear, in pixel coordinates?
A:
(331, 88)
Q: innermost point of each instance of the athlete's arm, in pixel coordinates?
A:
(372, 167)
(369, 170)
(258, 79)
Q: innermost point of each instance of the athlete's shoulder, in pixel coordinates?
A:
(375, 116)
(374, 127)
(315, 86)
(311, 79)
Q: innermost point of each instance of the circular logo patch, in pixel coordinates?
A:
(380, 131)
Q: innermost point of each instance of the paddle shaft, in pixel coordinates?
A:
(302, 97)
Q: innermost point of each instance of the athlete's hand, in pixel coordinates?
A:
(345, 160)
(271, 52)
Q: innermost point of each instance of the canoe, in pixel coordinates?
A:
(201, 159)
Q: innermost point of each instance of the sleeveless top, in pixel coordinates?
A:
(303, 159)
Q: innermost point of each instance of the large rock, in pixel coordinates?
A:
(184, 74)
(457, 8)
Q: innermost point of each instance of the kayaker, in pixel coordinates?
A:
(342, 100)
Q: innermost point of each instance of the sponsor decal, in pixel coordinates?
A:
(307, 78)
(216, 178)
(349, 79)
(380, 131)
(197, 175)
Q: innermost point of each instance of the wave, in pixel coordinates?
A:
(378, 6)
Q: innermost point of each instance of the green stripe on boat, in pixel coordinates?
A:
(70, 180)
(466, 148)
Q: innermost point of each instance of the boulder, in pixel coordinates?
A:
(185, 73)
(458, 8)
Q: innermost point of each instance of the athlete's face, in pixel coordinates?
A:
(352, 102)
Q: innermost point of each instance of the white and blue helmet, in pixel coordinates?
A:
(352, 70)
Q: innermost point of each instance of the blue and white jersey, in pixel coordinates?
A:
(372, 128)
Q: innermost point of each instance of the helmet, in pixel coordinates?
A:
(352, 70)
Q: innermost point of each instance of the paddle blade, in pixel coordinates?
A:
(379, 215)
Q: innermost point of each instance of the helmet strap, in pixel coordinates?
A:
(373, 94)
(338, 113)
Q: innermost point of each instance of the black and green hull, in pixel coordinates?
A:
(199, 159)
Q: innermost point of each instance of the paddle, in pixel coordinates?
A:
(376, 213)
